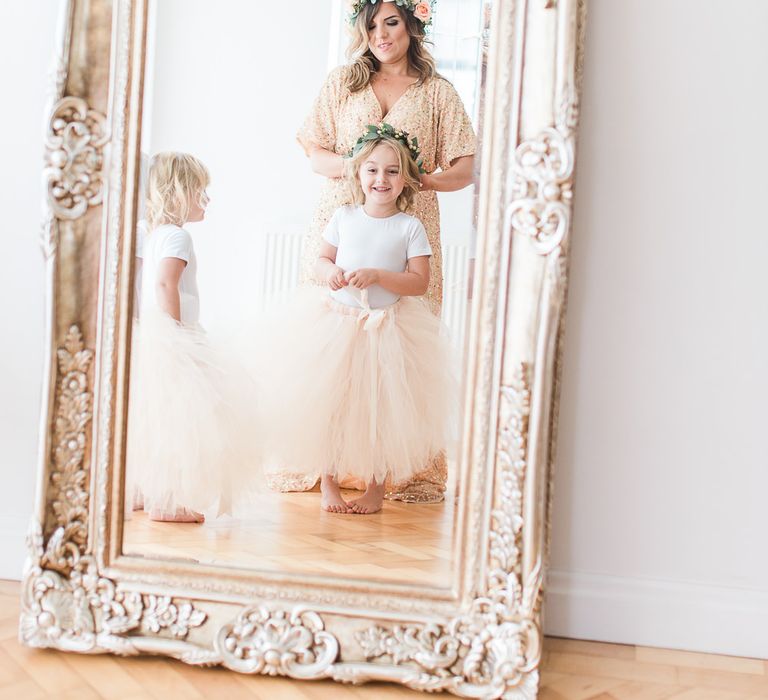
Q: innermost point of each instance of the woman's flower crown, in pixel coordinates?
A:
(422, 9)
(374, 132)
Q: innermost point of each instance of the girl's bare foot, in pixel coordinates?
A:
(371, 501)
(331, 499)
(182, 515)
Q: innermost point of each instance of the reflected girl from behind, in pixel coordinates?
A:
(184, 445)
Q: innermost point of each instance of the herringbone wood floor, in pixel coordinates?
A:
(405, 542)
(572, 670)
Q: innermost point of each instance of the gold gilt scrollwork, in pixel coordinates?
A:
(74, 156)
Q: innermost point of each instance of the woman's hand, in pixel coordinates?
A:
(336, 279)
(363, 278)
(456, 177)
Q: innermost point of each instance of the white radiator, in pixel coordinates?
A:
(280, 267)
(455, 277)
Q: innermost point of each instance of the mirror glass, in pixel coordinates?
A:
(300, 316)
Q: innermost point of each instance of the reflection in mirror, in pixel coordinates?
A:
(300, 314)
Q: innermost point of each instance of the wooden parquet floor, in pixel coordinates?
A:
(579, 670)
(405, 542)
(571, 670)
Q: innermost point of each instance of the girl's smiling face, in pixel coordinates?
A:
(380, 177)
(388, 37)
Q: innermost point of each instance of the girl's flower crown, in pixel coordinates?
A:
(422, 9)
(375, 131)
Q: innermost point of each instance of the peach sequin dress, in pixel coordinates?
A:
(434, 113)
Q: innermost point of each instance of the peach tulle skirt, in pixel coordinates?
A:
(192, 425)
(355, 392)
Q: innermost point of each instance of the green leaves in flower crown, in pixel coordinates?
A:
(422, 9)
(373, 132)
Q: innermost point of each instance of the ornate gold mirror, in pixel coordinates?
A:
(184, 507)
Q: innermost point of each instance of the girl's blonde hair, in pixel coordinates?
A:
(175, 179)
(363, 64)
(408, 168)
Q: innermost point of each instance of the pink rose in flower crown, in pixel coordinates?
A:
(423, 12)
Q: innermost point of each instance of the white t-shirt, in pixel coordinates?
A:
(170, 241)
(367, 241)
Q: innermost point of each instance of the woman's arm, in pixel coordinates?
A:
(326, 268)
(167, 286)
(411, 283)
(457, 177)
(325, 162)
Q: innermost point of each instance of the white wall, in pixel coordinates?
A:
(660, 493)
(659, 508)
(26, 37)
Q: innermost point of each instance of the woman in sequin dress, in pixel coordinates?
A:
(391, 78)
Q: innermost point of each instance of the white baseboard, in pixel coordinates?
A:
(658, 613)
(13, 551)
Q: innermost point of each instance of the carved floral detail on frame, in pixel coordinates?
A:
(543, 189)
(86, 612)
(75, 140)
(68, 494)
(163, 612)
(542, 179)
(278, 643)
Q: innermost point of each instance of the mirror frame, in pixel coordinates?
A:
(477, 635)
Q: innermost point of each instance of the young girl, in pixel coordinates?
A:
(363, 382)
(183, 417)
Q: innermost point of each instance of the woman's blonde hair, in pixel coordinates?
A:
(363, 64)
(175, 179)
(408, 168)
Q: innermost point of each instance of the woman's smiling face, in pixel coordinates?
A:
(388, 37)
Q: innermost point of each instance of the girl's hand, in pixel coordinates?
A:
(363, 278)
(336, 279)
